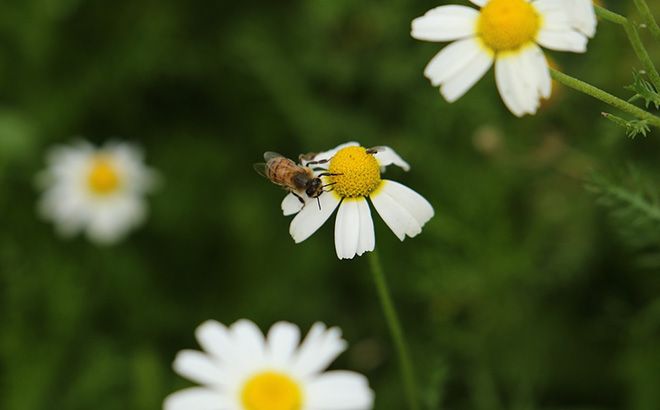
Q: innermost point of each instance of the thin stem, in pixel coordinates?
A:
(396, 331)
(635, 41)
(645, 11)
(605, 97)
(610, 16)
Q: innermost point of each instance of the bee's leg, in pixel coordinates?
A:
(302, 201)
(321, 161)
(319, 202)
(374, 150)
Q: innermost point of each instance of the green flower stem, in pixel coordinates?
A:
(605, 97)
(610, 16)
(635, 41)
(396, 330)
(648, 18)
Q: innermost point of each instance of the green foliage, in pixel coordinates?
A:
(644, 91)
(635, 210)
(517, 295)
(633, 127)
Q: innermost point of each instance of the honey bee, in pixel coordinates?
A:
(297, 179)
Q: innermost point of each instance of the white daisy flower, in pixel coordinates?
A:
(96, 190)
(355, 176)
(507, 33)
(242, 370)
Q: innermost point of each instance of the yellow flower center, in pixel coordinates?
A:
(271, 391)
(103, 177)
(507, 25)
(358, 172)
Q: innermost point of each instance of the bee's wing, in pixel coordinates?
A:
(268, 155)
(261, 169)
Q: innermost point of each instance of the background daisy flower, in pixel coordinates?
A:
(96, 190)
(240, 369)
(507, 33)
(358, 177)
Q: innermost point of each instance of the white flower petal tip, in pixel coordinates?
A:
(582, 16)
(340, 389)
(312, 216)
(404, 211)
(387, 156)
(354, 229)
(445, 23)
(238, 367)
(97, 191)
(291, 204)
(522, 80)
(197, 398)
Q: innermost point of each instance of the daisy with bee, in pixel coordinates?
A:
(347, 178)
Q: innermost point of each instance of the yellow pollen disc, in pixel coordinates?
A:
(271, 391)
(103, 177)
(507, 25)
(358, 172)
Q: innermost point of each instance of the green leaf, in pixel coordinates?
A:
(644, 90)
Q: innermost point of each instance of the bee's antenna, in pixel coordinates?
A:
(327, 185)
(319, 202)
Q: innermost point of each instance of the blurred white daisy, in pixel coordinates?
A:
(508, 33)
(242, 370)
(96, 190)
(356, 176)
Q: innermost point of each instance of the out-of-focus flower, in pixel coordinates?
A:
(507, 33)
(96, 190)
(242, 370)
(355, 176)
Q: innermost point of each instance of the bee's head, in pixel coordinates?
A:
(314, 188)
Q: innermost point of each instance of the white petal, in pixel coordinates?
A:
(401, 216)
(198, 367)
(557, 32)
(320, 348)
(505, 78)
(539, 64)
(249, 343)
(563, 40)
(310, 218)
(445, 23)
(387, 156)
(451, 60)
(480, 3)
(339, 390)
(215, 340)
(410, 200)
(347, 228)
(110, 220)
(291, 204)
(583, 16)
(521, 81)
(283, 339)
(196, 398)
(367, 241)
(326, 155)
(457, 85)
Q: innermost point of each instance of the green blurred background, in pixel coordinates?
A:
(522, 293)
